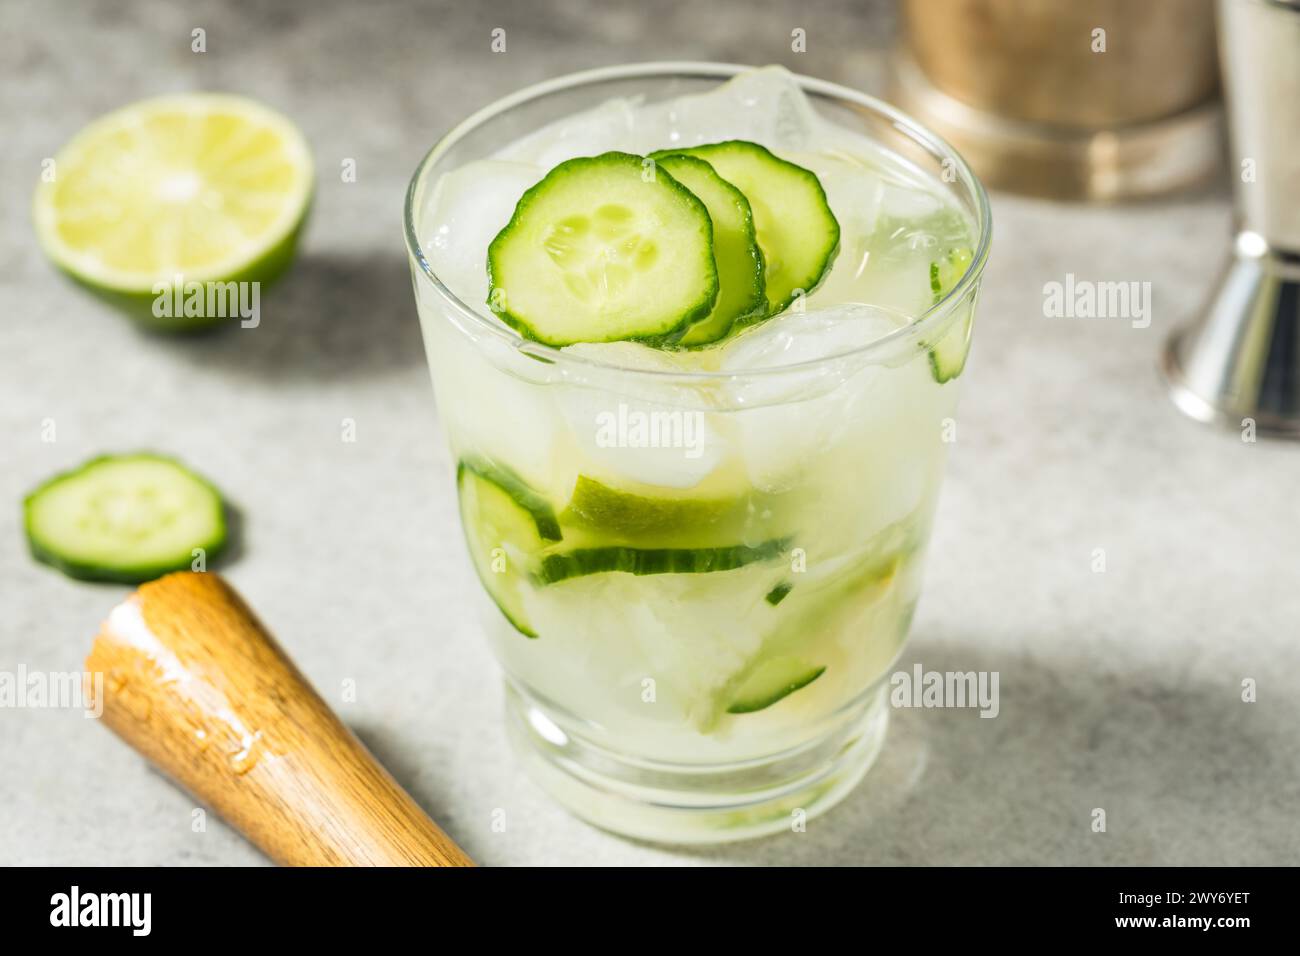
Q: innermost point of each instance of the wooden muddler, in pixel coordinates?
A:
(193, 681)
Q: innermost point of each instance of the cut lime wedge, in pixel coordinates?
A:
(191, 188)
(627, 515)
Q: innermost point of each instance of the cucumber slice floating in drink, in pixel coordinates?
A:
(715, 236)
(505, 524)
(735, 248)
(796, 230)
(778, 593)
(520, 492)
(773, 681)
(514, 535)
(826, 604)
(561, 565)
(127, 518)
(948, 355)
(599, 251)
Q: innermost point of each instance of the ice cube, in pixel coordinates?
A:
(795, 337)
(791, 420)
(606, 127)
(649, 432)
(908, 203)
(854, 189)
(466, 210)
(765, 106)
(490, 410)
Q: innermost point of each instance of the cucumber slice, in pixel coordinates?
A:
(948, 355)
(562, 565)
(614, 513)
(772, 681)
(778, 593)
(523, 495)
(126, 518)
(817, 606)
(797, 232)
(600, 252)
(505, 523)
(735, 248)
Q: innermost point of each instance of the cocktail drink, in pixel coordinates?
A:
(698, 386)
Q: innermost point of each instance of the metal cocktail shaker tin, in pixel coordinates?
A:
(1101, 100)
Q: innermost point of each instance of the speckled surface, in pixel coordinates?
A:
(1119, 690)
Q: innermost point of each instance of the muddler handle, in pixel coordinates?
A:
(193, 681)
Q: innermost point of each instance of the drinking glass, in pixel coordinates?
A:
(720, 679)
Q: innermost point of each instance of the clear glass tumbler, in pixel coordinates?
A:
(694, 661)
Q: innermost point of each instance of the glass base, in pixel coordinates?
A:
(692, 803)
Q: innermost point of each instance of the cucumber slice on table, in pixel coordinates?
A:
(126, 518)
(948, 355)
(797, 232)
(598, 251)
(735, 248)
(772, 681)
(505, 523)
(562, 565)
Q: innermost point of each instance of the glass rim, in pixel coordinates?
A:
(934, 144)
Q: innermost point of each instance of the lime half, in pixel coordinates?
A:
(190, 188)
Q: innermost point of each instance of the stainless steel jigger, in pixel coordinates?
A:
(1242, 359)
